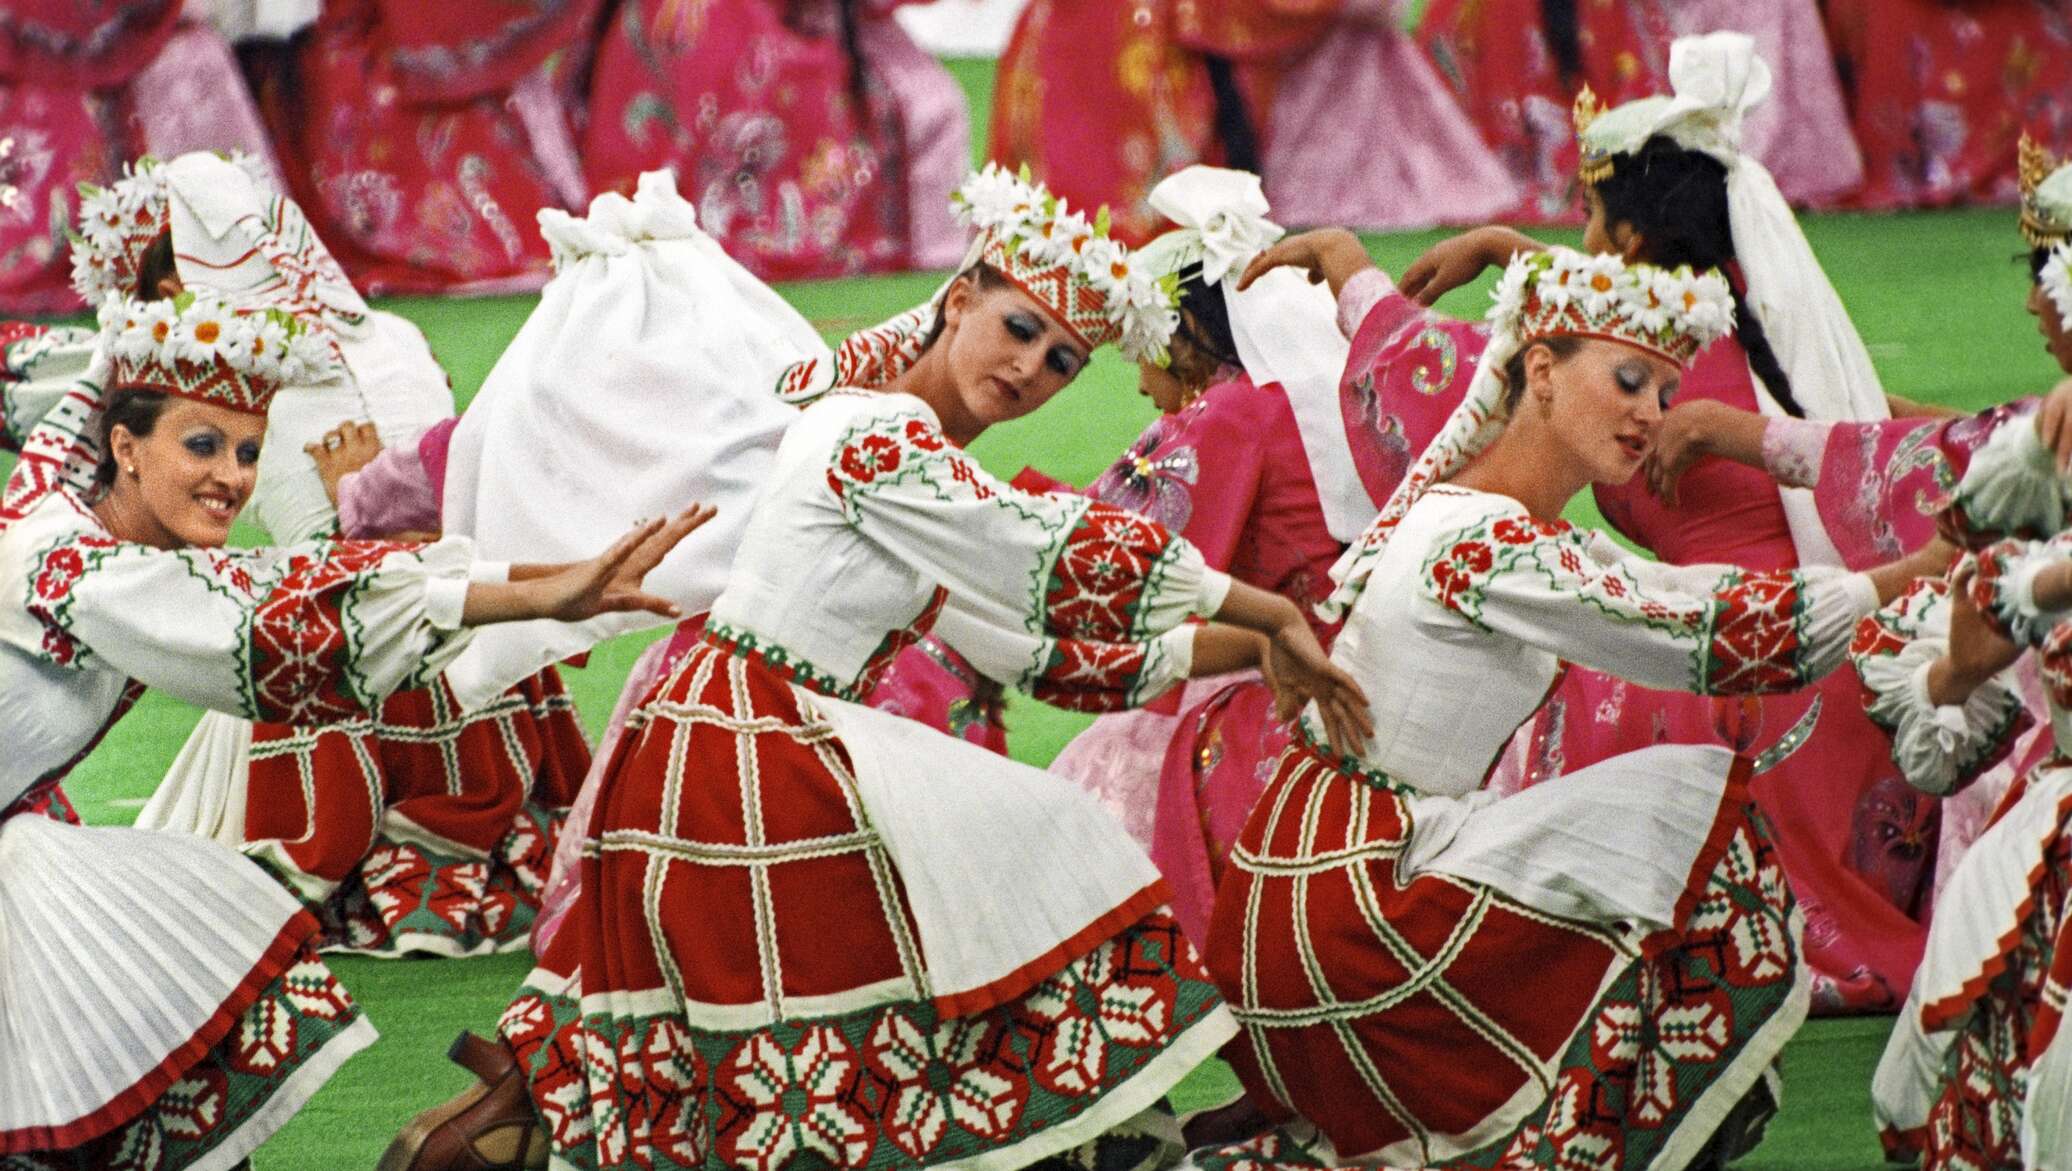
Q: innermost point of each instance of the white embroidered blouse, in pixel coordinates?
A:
(1475, 605)
(315, 633)
(874, 528)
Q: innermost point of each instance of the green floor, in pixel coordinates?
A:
(1938, 298)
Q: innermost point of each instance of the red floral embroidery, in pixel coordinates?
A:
(61, 570)
(1463, 566)
(1090, 676)
(953, 1074)
(1755, 635)
(868, 458)
(1524, 530)
(923, 436)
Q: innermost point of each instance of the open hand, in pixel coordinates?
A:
(1299, 672)
(1976, 653)
(1683, 437)
(609, 583)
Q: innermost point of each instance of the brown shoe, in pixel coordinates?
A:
(489, 1127)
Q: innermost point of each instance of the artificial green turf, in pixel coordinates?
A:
(1936, 296)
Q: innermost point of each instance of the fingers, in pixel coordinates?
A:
(1260, 266)
(1417, 279)
(634, 601)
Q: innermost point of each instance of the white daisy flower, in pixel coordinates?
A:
(2056, 279)
(199, 334)
(1601, 277)
(1561, 278)
(1508, 298)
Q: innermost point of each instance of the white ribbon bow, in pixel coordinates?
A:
(1224, 213)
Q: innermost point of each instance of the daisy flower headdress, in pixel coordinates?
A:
(1716, 80)
(1089, 282)
(2047, 220)
(117, 224)
(199, 346)
(1672, 313)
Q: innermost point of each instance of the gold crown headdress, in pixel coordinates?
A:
(2046, 194)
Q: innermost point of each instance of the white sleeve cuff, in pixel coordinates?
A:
(1215, 590)
(490, 572)
(445, 599)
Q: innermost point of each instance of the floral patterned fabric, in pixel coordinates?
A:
(301, 1024)
(415, 185)
(796, 165)
(1940, 93)
(425, 829)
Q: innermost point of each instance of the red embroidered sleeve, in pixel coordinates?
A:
(1107, 565)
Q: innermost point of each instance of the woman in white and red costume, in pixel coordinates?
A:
(162, 992)
(427, 829)
(785, 892)
(1605, 967)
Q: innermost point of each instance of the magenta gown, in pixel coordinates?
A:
(85, 88)
(1858, 844)
(1230, 474)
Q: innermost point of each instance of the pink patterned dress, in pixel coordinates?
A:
(1229, 473)
(1858, 844)
(1941, 91)
(797, 166)
(423, 139)
(85, 88)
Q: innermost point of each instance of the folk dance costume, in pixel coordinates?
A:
(1379, 910)
(1256, 473)
(165, 1008)
(816, 139)
(812, 930)
(1975, 1073)
(424, 828)
(423, 139)
(1940, 93)
(1104, 100)
(85, 88)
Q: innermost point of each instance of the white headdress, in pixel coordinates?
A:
(1286, 329)
(1717, 78)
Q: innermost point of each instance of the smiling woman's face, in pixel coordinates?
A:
(188, 479)
(1006, 355)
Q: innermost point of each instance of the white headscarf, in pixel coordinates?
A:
(1716, 80)
(1286, 328)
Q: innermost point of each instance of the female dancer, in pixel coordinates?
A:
(1248, 462)
(1430, 975)
(162, 992)
(1964, 1080)
(787, 896)
(456, 851)
(423, 139)
(1855, 840)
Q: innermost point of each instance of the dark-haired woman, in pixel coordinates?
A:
(1247, 460)
(810, 931)
(164, 1001)
(1856, 841)
(814, 136)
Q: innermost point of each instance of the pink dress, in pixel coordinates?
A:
(1858, 844)
(755, 104)
(1230, 474)
(83, 90)
(424, 139)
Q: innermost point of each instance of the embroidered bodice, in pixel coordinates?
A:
(873, 528)
(309, 634)
(1474, 605)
